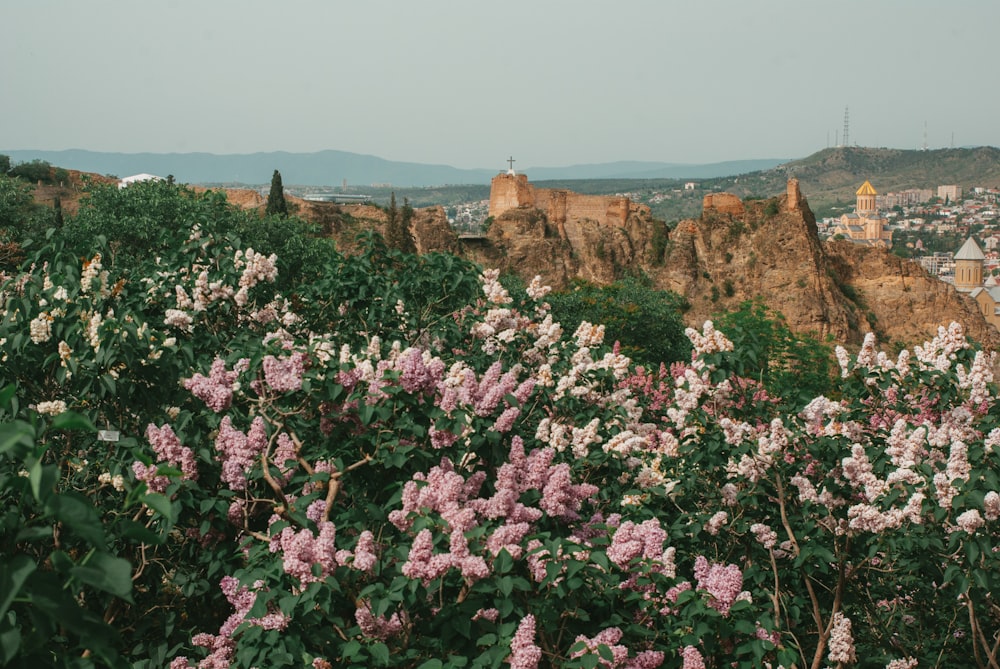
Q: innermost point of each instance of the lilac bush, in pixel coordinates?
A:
(359, 474)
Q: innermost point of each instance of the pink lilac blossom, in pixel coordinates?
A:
(487, 614)
(169, 452)
(238, 451)
(764, 535)
(607, 637)
(970, 521)
(958, 468)
(216, 389)
(723, 582)
(365, 556)
(422, 563)
(285, 453)
(508, 537)
(284, 374)
(524, 654)
(444, 491)
(237, 512)
(631, 541)
(505, 423)
(708, 341)
(841, 640)
(991, 505)
(301, 550)
(377, 627)
(716, 522)
(257, 268)
(419, 370)
(905, 663)
(857, 470)
(181, 320)
(536, 289)
(537, 559)
(561, 497)
(222, 646)
(692, 658)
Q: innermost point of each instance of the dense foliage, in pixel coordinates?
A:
(646, 322)
(391, 462)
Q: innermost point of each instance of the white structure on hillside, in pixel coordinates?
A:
(138, 177)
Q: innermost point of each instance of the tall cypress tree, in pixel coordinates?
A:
(397, 227)
(276, 205)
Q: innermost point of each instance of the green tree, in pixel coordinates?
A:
(21, 219)
(150, 218)
(34, 171)
(645, 321)
(796, 366)
(4, 164)
(276, 204)
(397, 226)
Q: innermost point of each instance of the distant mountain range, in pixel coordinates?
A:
(332, 168)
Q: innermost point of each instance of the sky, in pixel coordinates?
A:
(468, 83)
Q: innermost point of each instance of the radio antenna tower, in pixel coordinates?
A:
(925, 135)
(847, 141)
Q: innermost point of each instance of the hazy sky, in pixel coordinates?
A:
(466, 82)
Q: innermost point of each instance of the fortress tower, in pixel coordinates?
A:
(510, 191)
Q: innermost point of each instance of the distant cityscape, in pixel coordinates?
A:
(930, 225)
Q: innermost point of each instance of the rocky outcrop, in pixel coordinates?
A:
(735, 251)
(904, 303)
(761, 248)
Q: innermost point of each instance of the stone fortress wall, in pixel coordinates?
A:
(510, 191)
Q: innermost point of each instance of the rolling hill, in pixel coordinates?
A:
(331, 168)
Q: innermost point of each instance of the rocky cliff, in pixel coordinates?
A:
(735, 251)
(740, 250)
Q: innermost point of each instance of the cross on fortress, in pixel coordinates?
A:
(510, 162)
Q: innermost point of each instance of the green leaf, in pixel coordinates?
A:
(13, 574)
(160, 504)
(79, 515)
(70, 420)
(431, 664)
(7, 394)
(130, 529)
(15, 434)
(34, 533)
(107, 573)
(503, 563)
(10, 641)
(605, 652)
(380, 653)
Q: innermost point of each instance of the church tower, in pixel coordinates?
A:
(969, 267)
(866, 200)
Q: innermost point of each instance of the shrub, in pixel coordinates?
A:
(445, 477)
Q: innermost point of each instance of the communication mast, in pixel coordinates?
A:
(847, 127)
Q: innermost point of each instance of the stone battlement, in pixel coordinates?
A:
(510, 191)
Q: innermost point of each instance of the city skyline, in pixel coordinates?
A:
(469, 84)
